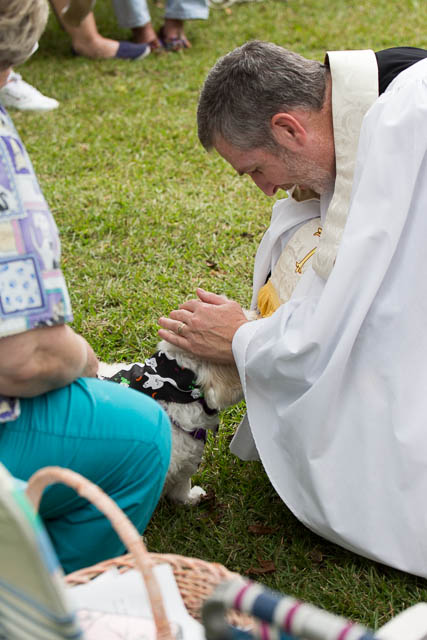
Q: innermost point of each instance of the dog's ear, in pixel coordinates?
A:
(221, 385)
(217, 399)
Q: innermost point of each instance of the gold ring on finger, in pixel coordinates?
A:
(180, 328)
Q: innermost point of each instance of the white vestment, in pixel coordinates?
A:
(335, 380)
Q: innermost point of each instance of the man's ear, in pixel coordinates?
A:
(288, 131)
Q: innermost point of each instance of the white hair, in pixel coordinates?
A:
(21, 24)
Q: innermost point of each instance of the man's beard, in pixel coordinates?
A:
(307, 172)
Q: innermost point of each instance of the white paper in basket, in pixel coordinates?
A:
(115, 606)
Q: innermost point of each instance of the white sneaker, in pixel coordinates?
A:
(20, 95)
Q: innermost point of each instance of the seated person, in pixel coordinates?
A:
(134, 14)
(53, 409)
(79, 22)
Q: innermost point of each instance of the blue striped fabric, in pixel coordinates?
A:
(265, 606)
(280, 617)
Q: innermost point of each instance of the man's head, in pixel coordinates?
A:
(267, 111)
(21, 24)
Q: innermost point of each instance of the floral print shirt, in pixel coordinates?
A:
(33, 292)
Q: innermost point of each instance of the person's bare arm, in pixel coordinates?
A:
(43, 359)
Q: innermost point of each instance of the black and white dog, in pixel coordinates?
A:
(192, 391)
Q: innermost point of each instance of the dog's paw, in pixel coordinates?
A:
(184, 493)
(195, 495)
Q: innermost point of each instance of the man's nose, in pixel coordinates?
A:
(267, 187)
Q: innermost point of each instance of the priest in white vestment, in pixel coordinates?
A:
(334, 371)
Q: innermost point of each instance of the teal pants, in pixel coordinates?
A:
(117, 437)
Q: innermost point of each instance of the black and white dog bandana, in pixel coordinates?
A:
(163, 379)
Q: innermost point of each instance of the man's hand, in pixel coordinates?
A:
(204, 326)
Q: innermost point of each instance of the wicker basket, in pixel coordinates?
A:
(196, 579)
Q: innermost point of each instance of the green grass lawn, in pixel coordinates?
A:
(146, 215)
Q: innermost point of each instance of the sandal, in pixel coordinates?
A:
(156, 45)
(173, 44)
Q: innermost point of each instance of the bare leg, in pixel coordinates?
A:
(85, 38)
(76, 11)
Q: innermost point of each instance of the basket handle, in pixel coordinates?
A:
(126, 531)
